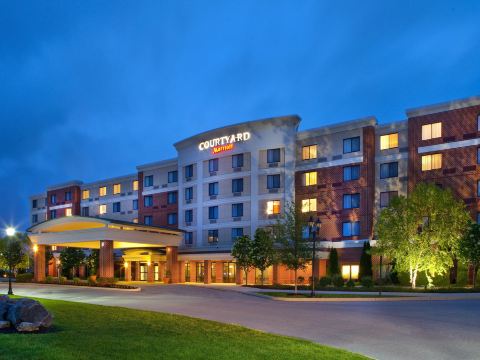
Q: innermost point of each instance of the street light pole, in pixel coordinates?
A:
(314, 228)
(10, 231)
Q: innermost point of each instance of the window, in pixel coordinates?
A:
(34, 218)
(148, 201)
(148, 181)
(53, 199)
(478, 155)
(102, 191)
(135, 204)
(273, 181)
(68, 212)
(189, 216)
(386, 197)
(237, 185)
(273, 156)
(389, 141)
(213, 165)
(34, 203)
(351, 228)
(172, 219)
(388, 170)
(478, 122)
(189, 171)
(213, 189)
(431, 131)
(237, 210)
(351, 172)
(85, 194)
(148, 220)
(351, 145)
(213, 212)
(172, 197)
(212, 236)
(102, 209)
(189, 238)
(135, 185)
(351, 201)
(189, 193)
(310, 178)
(117, 188)
(172, 176)
(478, 188)
(431, 162)
(85, 211)
(237, 161)
(309, 152)
(236, 233)
(116, 207)
(273, 207)
(53, 214)
(350, 272)
(68, 196)
(478, 218)
(309, 205)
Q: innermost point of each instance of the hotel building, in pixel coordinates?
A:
(229, 181)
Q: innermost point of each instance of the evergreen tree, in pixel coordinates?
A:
(365, 261)
(333, 267)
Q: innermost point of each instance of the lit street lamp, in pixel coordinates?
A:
(314, 228)
(10, 231)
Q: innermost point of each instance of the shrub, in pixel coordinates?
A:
(24, 278)
(92, 281)
(350, 283)
(106, 281)
(324, 281)
(300, 280)
(337, 281)
(62, 279)
(367, 281)
(49, 279)
(76, 280)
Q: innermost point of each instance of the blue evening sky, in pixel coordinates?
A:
(89, 90)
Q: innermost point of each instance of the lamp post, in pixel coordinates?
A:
(10, 231)
(314, 228)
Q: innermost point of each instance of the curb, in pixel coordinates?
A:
(89, 287)
(386, 299)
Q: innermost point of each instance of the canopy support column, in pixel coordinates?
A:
(39, 263)
(172, 263)
(106, 259)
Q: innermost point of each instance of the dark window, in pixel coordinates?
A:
(189, 171)
(135, 204)
(213, 212)
(351, 145)
(189, 216)
(53, 214)
(148, 180)
(273, 181)
(147, 220)
(386, 197)
(172, 219)
(116, 207)
(478, 218)
(213, 165)
(237, 161)
(172, 197)
(478, 155)
(236, 233)
(188, 238)
(34, 218)
(351, 172)
(351, 201)
(237, 210)
(351, 228)
(213, 189)
(85, 211)
(53, 199)
(173, 176)
(148, 201)
(478, 122)
(237, 185)
(273, 155)
(34, 203)
(189, 193)
(68, 196)
(388, 170)
(212, 236)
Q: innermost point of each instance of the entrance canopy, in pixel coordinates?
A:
(87, 232)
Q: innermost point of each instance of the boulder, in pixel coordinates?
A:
(4, 302)
(28, 311)
(4, 324)
(27, 327)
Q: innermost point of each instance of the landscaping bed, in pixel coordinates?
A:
(371, 289)
(99, 282)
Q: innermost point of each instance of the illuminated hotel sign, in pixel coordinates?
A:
(224, 143)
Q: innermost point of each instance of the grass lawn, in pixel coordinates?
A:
(83, 331)
(317, 295)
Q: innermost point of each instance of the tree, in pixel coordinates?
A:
(333, 267)
(71, 258)
(470, 249)
(13, 255)
(293, 249)
(92, 262)
(422, 232)
(365, 261)
(242, 252)
(263, 250)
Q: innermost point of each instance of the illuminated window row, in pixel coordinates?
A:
(431, 162)
(102, 190)
(431, 131)
(389, 141)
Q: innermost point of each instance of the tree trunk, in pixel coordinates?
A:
(411, 275)
(246, 276)
(429, 279)
(295, 272)
(414, 277)
(261, 272)
(475, 269)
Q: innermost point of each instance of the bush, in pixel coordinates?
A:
(62, 279)
(324, 281)
(300, 280)
(76, 280)
(337, 281)
(24, 278)
(49, 279)
(106, 281)
(92, 281)
(350, 283)
(366, 281)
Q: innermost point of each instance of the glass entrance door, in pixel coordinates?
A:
(143, 271)
(229, 272)
(187, 272)
(156, 272)
(213, 272)
(200, 272)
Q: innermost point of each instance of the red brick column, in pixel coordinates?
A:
(137, 271)
(39, 263)
(150, 272)
(238, 275)
(128, 271)
(219, 271)
(207, 274)
(105, 263)
(82, 271)
(172, 263)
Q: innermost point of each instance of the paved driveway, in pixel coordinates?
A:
(383, 330)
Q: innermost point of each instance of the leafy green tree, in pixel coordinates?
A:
(14, 255)
(71, 258)
(263, 250)
(333, 266)
(242, 252)
(365, 261)
(422, 232)
(92, 261)
(294, 250)
(470, 249)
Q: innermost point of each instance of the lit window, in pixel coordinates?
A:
(68, 212)
(309, 152)
(212, 236)
(350, 272)
(389, 141)
(431, 131)
(310, 178)
(135, 185)
(102, 209)
(117, 188)
(85, 194)
(273, 207)
(431, 162)
(309, 205)
(102, 191)
(54, 247)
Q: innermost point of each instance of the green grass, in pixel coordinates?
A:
(317, 295)
(83, 331)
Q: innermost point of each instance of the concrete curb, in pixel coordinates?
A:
(90, 287)
(359, 299)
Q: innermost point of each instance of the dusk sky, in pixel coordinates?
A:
(89, 90)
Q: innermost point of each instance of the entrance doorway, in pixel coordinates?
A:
(143, 271)
(229, 272)
(187, 272)
(156, 272)
(200, 272)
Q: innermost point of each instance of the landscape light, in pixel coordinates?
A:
(35, 248)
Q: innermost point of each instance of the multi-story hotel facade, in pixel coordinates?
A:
(229, 181)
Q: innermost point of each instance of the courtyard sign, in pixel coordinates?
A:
(224, 143)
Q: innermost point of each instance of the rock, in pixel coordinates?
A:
(4, 324)
(28, 311)
(27, 327)
(4, 303)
